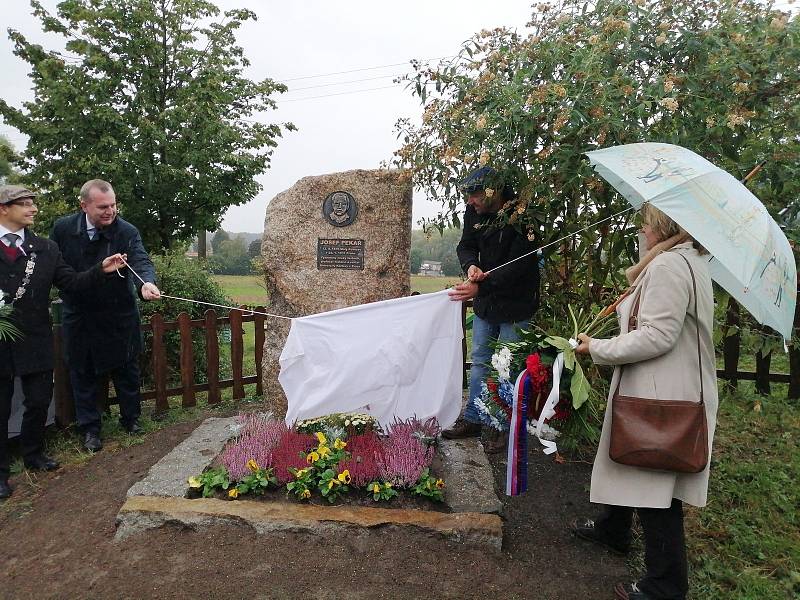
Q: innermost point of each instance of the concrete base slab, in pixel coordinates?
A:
(159, 498)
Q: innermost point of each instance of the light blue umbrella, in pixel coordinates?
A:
(750, 255)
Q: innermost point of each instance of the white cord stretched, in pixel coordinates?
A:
(244, 310)
(595, 224)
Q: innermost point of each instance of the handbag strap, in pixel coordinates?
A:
(633, 324)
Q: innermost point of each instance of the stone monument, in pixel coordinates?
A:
(329, 242)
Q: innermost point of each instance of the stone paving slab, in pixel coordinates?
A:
(146, 512)
(159, 498)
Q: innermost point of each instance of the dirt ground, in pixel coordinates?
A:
(56, 541)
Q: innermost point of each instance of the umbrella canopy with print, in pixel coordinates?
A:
(750, 255)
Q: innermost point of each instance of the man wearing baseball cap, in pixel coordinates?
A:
(29, 266)
(504, 300)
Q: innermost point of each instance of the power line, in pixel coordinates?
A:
(425, 61)
(385, 87)
(291, 89)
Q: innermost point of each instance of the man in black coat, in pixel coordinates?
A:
(29, 266)
(101, 326)
(505, 300)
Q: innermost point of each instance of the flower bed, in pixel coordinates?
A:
(341, 458)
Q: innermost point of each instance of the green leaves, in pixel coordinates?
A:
(579, 386)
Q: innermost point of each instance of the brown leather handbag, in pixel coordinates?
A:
(666, 435)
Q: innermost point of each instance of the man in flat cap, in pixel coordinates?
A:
(102, 329)
(29, 266)
(504, 300)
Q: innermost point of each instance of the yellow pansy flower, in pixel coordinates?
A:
(323, 451)
(440, 483)
(312, 457)
(339, 444)
(376, 487)
(344, 476)
(306, 494)
(321, 437)
(233, 493)
(301, 473)
(194, 482)
(331, 483)
(387, 485)
(252, 465)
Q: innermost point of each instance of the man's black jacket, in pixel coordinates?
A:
(511, 293)
(102, 322)
(34, 352)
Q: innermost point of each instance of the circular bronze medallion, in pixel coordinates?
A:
(340, 209)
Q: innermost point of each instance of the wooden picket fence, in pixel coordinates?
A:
(211, 324)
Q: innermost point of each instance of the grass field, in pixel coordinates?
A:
(248, 289)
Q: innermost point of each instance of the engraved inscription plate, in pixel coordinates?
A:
(340, 254)
(340, 209)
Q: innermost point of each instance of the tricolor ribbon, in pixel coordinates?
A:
(517, 463)
(517, 458)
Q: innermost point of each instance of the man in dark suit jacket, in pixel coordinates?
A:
(102, 330)
(29, 266)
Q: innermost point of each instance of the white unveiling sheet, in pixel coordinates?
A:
(391, 359)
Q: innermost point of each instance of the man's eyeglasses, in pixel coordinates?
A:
(26, 203)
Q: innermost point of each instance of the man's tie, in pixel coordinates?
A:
(11, 250)
(92, 231)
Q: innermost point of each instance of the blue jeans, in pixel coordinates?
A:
(484, 332)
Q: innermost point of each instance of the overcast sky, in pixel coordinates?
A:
(306, 38)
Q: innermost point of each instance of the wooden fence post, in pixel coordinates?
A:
(212, 356)
(237, 353)
(187, 360)
(731, 344)
(258, 326)
(762, 368)
(159, 363)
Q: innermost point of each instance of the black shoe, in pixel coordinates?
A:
(585, 529)
(462, 429)
(92, 442)
(630, 591)
(134, 429)
(5, 489)
(40, 462)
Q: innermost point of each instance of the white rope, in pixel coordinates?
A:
(558, 240)
(244, 310)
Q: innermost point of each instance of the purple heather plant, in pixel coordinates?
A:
(256, 441)
(405, 457)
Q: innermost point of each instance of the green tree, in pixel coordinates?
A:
(231, 258)
(7, 157)
(153, 100)
(721, 77)
(219, 236)
(254, 249)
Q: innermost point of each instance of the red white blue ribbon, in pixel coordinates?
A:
(517, 458)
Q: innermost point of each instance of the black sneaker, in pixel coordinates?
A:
(585, 529)
(462, 429)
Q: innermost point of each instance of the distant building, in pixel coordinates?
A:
(431, 268)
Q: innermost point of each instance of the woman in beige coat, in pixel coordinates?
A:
(660, 360)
